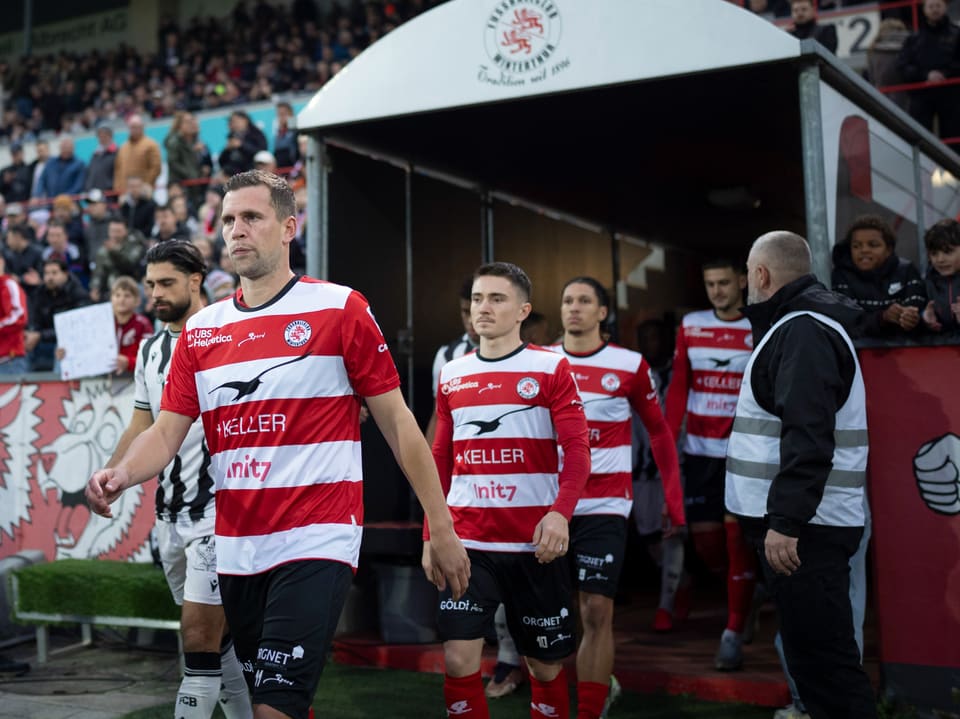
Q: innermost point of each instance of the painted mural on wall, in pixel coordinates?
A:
(53, 435)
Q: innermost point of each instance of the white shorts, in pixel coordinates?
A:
(189, 557)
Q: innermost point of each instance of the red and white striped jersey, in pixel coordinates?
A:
(278, 388)
(708, 367)
(612, 380)
(498, 426)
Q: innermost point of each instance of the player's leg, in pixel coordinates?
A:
(539, 599)
(211, 676)
(507, 675)
(200, 670)
(299, 605)
(462, 624)
(598, 544)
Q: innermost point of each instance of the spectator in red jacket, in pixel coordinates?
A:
(131, 326)
(13, 319)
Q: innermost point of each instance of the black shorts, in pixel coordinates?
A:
(282, 622)
(597, 545)
(703, 487)
(537, 598)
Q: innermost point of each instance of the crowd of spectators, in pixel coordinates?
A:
(257, 52)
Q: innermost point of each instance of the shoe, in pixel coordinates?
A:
(662, 620)
(506, 679)
(790, 712)
(730, 654)
(612, 695)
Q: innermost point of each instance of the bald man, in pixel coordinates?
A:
(139, 157)
(796, 468)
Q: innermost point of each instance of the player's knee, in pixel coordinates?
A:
(543, 671)
(200, 633)
(596, 611)
(462, 658)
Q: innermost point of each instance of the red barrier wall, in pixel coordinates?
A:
(53, 435)
(913, 408)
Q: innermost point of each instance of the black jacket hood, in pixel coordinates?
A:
(803, 294)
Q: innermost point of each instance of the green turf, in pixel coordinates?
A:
(348, 692)
(96, 587)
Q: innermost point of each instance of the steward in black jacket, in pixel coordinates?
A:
(803, 376)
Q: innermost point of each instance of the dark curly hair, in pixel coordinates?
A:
(872, 222)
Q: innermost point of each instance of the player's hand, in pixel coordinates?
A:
(103, 489)
(552, 537)
(426, 561)
(781, 552)
(955, 309)
(930, 318)
(449, 563)
(669, 528)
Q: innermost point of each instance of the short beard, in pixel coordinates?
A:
(175, 313)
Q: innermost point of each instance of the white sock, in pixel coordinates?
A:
(671, 572)
(506, 649)
(197, 697)
(234, 695)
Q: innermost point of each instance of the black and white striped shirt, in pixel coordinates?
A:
(186, 488)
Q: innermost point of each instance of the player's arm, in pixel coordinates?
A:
(643, 399)
(675, 402)
(148, 453)
(552, 533)
(401, 432)
(438, 362)
(139, 423)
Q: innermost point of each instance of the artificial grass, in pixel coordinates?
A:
(349, 692)
(95, 587)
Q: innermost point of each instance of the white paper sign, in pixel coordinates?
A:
(89, 337)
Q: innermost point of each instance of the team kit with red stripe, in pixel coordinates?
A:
(612, 380)
(710, 357)
(278, 390)
(498, 426)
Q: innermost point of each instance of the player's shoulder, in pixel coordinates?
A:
(324, 293)
(700, 318)
(542, 359)
(621, 358)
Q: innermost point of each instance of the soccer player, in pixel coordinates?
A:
(713, 347)
(185, 498)
(501, 413)
(277, 374)
(612, 380)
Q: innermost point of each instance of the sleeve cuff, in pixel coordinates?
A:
(783, 525)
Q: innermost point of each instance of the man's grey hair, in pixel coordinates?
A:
(786, 254)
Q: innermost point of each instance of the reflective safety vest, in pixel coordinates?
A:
(753, 453)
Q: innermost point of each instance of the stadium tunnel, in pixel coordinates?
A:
(620, 139)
